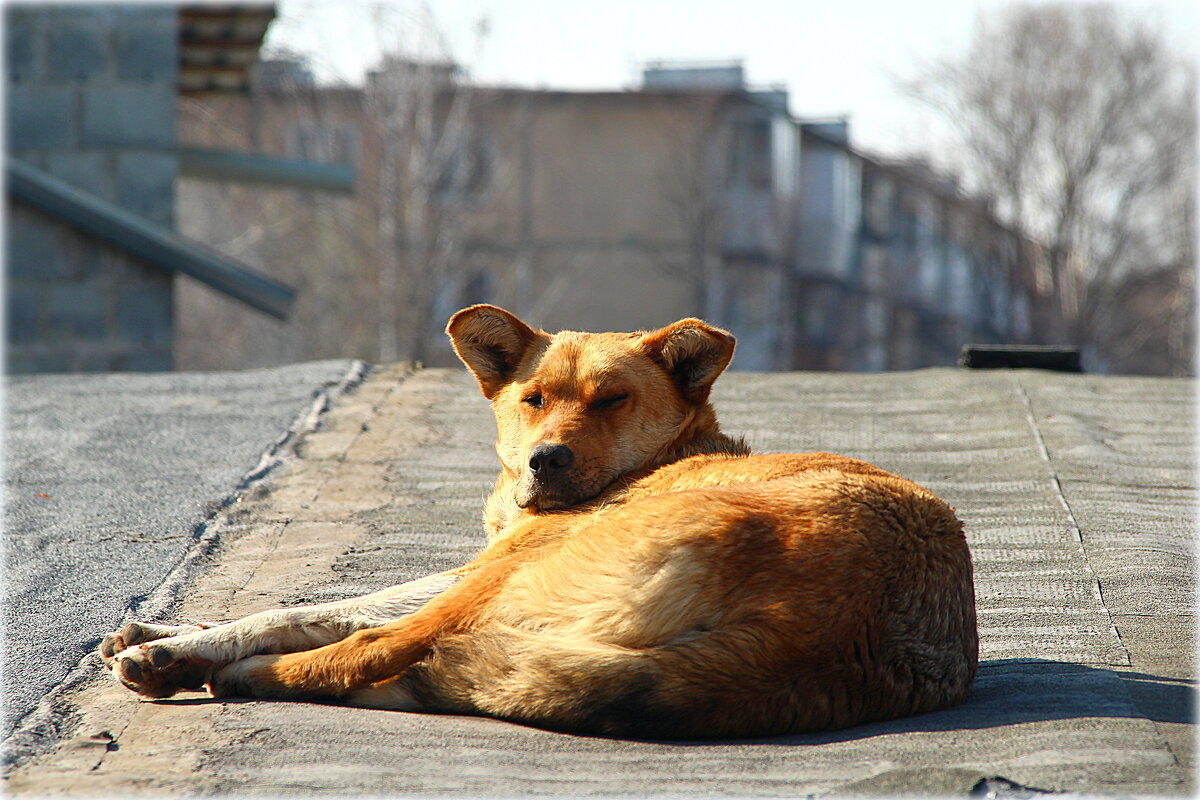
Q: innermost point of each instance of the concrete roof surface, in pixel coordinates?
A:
(1077, 492)
(108, 482)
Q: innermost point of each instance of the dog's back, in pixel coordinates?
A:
(820, 599)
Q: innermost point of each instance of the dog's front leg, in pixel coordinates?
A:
(330, 672)
(160, 660)
(367, 658)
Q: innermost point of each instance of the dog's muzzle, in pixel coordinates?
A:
(547, 484)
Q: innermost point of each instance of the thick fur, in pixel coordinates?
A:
(644, 574)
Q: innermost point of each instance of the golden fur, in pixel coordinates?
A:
(645, 575)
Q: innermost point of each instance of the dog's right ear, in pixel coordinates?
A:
(491, 342)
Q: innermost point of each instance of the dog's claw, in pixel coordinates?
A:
(110, 646)
(133, 633)
(114, 643)
(130, 670)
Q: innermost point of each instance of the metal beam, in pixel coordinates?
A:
(247, 168)
(143, 239)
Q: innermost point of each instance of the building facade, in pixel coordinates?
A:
(693, 195)
(91, 254)
(910, 267)
(90, 94)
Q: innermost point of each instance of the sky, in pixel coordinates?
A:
(836, 57)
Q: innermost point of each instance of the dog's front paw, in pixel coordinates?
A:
(155, 670)
(138, 633)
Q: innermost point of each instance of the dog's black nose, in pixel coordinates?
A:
(547, 459)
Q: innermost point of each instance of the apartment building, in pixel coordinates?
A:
(691, 195)
(896, 268)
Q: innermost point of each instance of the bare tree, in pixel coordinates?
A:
(310, 240)
(367, 267)
(421, 111)
(1079, 123)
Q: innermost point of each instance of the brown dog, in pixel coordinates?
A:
(644, 574)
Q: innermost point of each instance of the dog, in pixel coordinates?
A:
(644, 575)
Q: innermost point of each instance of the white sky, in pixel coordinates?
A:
(836, 56)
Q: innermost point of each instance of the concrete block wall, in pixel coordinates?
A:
(91, 99)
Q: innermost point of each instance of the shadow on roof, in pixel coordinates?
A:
(1006, 692)
(1016, 691)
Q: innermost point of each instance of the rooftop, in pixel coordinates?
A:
(1077, 492)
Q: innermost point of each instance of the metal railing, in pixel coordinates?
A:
(137, 236)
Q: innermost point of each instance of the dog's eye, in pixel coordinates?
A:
(534, 400)
(606, 403)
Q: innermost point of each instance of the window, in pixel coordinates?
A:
(751, 156)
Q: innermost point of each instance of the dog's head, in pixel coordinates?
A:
(576, 411)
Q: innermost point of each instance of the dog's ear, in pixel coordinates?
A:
(693, 353)
(491, 342)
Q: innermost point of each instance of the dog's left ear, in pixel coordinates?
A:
(693, 353)
(491, 342)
